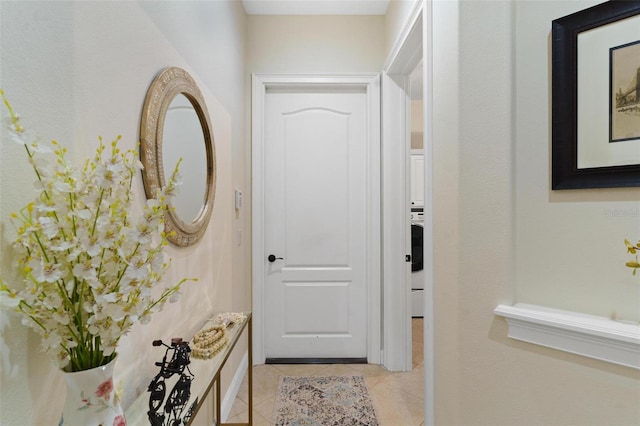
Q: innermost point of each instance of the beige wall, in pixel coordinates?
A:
(78, 70)
(315, 44)
(501, 236)
(417, 124)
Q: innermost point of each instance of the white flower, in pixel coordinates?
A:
(37, 147)
(174, 297)
(84, 214)
(110, 347)
(49, 226)
(157, 264)
(137, 270)
(51, 340)
(106, 298)
(45, 271)
(109, 236)
(60, 318)
(116, 312)
(9, 300)
(65, 246)
(62, 186)
(17, 132)
(87, 266)
(85, 270)
(52, 300)
(88, 243)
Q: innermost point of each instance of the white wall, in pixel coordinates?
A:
(501, 235)
(569, 244)
(395, 20)
(78, 70)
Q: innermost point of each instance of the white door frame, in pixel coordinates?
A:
(396, 136)
(413, 44)
(371, 83)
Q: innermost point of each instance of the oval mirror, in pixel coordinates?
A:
(175, 124)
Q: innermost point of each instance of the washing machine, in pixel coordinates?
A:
(417, 271)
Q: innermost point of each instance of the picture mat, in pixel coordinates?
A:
(594, 149)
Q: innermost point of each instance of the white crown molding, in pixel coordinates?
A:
(315, 7)
(588, 335)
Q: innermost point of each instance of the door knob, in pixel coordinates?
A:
(272, 258)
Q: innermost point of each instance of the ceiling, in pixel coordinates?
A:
(315, 7)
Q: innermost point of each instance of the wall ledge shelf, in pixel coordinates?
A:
(592, 336)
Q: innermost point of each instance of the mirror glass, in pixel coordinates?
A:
(175, 124)
(183, 138)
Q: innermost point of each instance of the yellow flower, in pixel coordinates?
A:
(630, 248)
(633, 249)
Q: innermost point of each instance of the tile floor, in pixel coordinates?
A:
(398, 398)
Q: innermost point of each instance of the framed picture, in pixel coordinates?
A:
(596, 97)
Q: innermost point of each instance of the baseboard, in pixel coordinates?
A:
(234, 387)
(316, 361)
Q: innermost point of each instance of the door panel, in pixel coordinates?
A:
(417, 180)
(316, 190)
(330, 301)
(315, 208)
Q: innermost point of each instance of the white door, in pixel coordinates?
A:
(315, 219)
(417, 180)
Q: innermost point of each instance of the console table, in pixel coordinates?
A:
(206, 374)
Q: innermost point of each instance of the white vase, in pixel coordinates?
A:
(91, 398)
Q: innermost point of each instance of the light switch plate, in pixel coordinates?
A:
(238, 199)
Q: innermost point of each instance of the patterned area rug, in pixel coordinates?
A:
(322, 401)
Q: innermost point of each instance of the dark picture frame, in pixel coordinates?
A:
(567, 171)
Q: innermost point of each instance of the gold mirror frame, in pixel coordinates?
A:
(170, 83)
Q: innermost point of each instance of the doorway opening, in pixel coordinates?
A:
(412, 49)
(416, 189)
